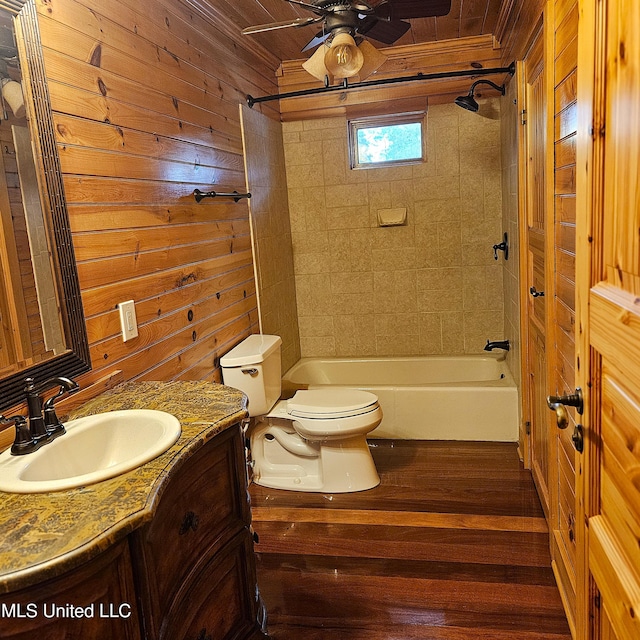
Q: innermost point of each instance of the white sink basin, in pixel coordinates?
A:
(94, 448)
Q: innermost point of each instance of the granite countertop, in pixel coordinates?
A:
(46, 534)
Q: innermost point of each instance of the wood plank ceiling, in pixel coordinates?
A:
(466, 18)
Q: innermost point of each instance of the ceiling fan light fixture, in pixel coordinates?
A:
(316, 67)
(343, 59)
(373, 59)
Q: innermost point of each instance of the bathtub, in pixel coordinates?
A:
(471, 397)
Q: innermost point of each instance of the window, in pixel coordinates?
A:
(386, 141)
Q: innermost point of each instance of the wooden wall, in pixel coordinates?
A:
(516, 25)
(145, 110)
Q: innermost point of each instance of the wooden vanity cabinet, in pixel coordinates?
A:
(188, 574)
(194, 563)
(101, 593)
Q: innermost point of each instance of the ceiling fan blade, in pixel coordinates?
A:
(271, 26)
(385, 31)
(406, 9)
(318, 39)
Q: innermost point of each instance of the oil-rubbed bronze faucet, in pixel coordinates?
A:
(23, 442)
(497, 344)
(44, 424)
(51, 422)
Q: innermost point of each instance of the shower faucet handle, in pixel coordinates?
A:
(503, 246)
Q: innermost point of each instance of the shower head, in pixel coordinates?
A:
(468, 102)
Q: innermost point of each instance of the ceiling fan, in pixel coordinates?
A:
(344, 20)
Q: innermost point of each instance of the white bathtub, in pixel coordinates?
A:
(470, 397)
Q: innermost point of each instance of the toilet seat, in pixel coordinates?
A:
(333, 414)
(321, 404)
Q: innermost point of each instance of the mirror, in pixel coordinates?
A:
(41, 318)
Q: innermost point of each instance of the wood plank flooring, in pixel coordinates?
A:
(452, 545)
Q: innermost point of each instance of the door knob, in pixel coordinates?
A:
(562, 417)
(535, 293)
(569, 400)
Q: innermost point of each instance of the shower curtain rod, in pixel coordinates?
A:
(374, 83)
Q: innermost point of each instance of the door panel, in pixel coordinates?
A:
(539, 417)
(536, 277)
(612, 309)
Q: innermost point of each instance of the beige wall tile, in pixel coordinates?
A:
(271, 229)
(303, 153)
(351, 303)
(397, 345)
(441, 210)
(398, 290)
(306, 175)
(316, 326)
(391, 324)
(355, 217)
(356, 283)
(314, 347)
(440, 300)
(393, 259)
(345, 195)
(452, 332)
(430, 338)
(437, 187)
(305, 263)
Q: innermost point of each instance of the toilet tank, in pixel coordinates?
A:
(254, 367)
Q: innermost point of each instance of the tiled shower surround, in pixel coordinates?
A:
(268, 207)
(430, 286)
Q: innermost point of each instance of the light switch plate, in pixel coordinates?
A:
(128, 321)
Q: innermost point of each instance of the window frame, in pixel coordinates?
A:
(371, 122)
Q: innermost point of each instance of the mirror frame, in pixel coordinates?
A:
(77, 359)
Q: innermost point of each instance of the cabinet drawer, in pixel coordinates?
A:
(204, 506)
(217, 604)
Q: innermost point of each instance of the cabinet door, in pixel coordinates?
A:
(204, 506)
(218, 604)
(101, 595)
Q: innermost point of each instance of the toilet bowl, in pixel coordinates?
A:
(314, 441)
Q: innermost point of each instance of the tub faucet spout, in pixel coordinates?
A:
(497, 344)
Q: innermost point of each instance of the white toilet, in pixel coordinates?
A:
(315, 441)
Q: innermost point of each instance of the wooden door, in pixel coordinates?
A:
(609, 310)
(535, 264)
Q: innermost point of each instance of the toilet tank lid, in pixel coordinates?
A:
(252, 350)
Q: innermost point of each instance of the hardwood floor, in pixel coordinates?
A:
(452, 545)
